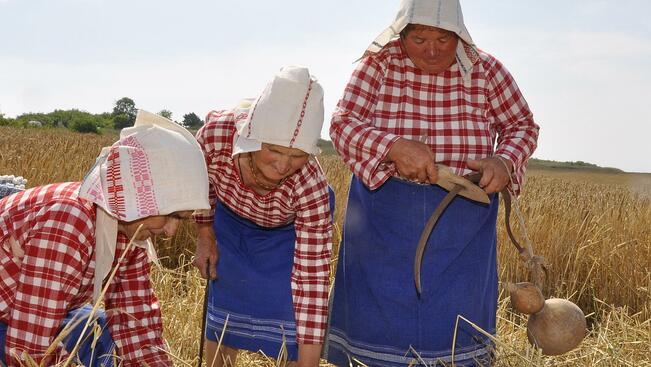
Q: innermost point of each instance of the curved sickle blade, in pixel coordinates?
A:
(424, 236)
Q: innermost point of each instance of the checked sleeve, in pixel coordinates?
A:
(134, 313)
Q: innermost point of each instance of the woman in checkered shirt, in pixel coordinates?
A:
(59, 242)
(423, 95)
(270, 230)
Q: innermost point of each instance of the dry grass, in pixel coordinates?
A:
(45, 156)
(594, 229)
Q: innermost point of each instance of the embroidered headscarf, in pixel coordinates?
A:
(444, 14)
(288, 112)
(156, 168)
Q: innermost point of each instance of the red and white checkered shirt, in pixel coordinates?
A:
(56, 231)
(388, 97)
(302, 198)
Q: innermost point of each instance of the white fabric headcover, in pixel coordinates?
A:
(444, 14)
(289, 112)
(156, 168)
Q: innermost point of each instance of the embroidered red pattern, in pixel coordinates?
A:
(300, 120)
(115, 189)
(146, 204)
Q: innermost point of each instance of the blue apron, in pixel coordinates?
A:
(253, 287)
(99, 355)
(377, 317)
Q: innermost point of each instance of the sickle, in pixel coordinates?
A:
(466, 187)
(204, 313)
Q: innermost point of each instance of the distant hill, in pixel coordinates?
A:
(578, 165)
(327, 148)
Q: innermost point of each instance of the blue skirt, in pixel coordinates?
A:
(99, 355)
(377, 317)
(253, 287)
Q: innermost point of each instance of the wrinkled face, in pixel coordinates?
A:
(431, 49)
(165, 225)
(276, 162)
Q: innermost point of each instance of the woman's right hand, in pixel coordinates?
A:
(414, 160)
(206, 251)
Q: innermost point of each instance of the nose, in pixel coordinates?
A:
(171, 226)
(283, 165)
(431, 50)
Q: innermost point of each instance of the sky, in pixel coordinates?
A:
(584, 66)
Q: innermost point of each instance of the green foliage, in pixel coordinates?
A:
(127, 107)
(44, 119)
(83, 124)
(166, 113)
(5, 121)
(9, 122)
(192, 121)
(122, 120)
(105, 120)
(77, 120)
(64, 118)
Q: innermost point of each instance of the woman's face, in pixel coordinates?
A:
(165, 225)
(431, 49)
(276, 162)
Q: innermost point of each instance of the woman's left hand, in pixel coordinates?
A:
(206, 251)
(495, 173)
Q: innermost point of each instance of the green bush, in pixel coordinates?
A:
(9, 122)
(83, 124)
(121, 121)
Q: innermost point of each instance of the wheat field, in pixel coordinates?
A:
(594, 230)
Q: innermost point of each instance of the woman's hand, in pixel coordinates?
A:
(206, 250)
(495, 173)
(414, 160)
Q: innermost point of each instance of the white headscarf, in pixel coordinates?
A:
(444, 14)
(289, 112)
(156, 168)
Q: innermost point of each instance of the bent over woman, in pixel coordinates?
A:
(59, 242)
(270, 233)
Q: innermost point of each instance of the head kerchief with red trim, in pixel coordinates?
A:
(289, 112)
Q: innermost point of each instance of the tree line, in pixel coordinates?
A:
(123, 115)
